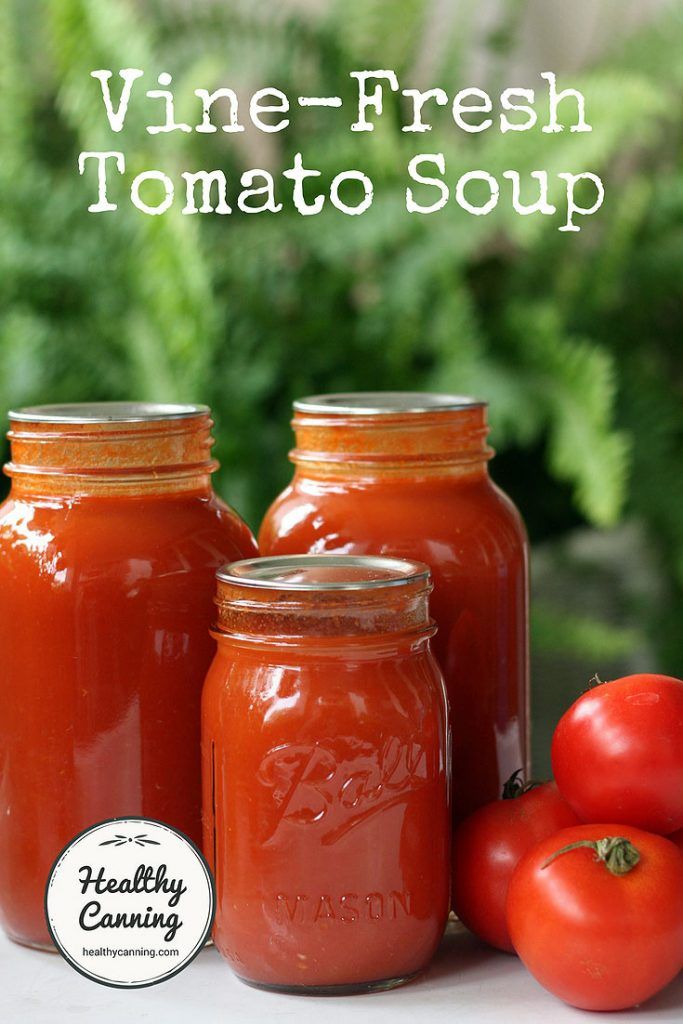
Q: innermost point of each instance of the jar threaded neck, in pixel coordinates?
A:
(323, 598)
(389, 432)
(110, 447)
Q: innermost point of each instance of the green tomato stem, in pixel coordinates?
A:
(618, 855)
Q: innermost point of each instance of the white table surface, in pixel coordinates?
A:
(466, 984)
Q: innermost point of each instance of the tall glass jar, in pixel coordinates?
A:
(325, 768)
(109, 542)
(406, 474)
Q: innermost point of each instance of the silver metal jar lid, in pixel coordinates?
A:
(378, 403)
(324, 572)
(106, 412)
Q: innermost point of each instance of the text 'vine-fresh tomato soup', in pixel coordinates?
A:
(109, 542)
(405, 474)
(325, 770)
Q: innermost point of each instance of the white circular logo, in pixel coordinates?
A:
(130, 902)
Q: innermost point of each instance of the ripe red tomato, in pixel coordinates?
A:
(599, 941)
(489, 844)
(618, 753)
(677, 838)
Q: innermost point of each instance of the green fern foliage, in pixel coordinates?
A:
(575, 340)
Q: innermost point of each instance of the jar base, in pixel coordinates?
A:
(360, 988)
(43, 947)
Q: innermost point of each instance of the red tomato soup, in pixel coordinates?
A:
(109, 543)
(405, 474)
(325, 767)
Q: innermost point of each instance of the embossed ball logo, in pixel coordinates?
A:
(310, 787)
(130, 902)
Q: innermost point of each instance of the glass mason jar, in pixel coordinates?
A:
(109, 543)
(406, 474)
(325, 768)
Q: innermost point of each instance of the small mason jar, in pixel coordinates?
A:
(405, 474)
(325, 772)
(109, 543)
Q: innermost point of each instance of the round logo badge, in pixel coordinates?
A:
(130, 902)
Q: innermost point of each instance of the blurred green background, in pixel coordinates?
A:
(576, 339)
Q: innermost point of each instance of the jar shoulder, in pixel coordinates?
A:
(449, 514)
(507, 510)
(230, 522)
(140, 532)
(276, 687)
